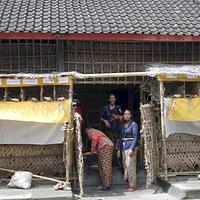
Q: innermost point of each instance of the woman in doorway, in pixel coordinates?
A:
(128, 144)
(103, 147)
(110, 128)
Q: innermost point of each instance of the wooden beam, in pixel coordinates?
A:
(100, 36)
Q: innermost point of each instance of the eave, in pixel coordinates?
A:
(99, 37)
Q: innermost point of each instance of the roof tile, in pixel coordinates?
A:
(124, 16)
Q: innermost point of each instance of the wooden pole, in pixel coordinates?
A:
(163, 129)
(108, 75)
(23, 94)
(41, 92)
(54, 92)
(5, 94)
(141, 134)
(34, 175)
(69, 136)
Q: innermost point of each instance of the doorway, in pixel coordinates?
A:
(94, 97)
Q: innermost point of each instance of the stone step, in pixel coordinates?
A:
(182, 187)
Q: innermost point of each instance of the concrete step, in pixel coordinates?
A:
(40, 190)
(182, 187)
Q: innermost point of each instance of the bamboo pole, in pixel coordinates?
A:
(90, 153)
(107, 75)
(34, 175)
(54, 92)
(23, 94)
(41, 92)
(163, 129)
(155, 146)
(68, 136)
(141, 134)
(5, 94)
(79, 154)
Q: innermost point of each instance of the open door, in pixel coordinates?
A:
(148, 133)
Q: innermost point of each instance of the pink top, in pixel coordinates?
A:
(98, 139)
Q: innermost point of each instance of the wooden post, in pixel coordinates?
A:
(141, 134)
(23, 94)
(69, 136)
(163, 129)
(41, 92)
(5, 94)
(154, 138)
(54, 92)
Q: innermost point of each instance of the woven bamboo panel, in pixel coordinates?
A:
(183, 162)
(158, 138)
(183, 152)
(41, 165)
(16, 150)
(149, 142)
(39, 159)
(182, 147)
(39, 56)
(125, 56)
(182, 137)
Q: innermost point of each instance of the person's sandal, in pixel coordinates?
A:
(131, 189)
(98, 188)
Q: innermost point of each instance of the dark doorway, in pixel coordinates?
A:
(94, 97)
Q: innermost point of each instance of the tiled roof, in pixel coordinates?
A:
(172, 17)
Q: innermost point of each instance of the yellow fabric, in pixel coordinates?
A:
(184, 109)
(45, 112)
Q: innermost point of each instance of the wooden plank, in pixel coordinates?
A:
(172, 174)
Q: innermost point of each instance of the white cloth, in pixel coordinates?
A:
(173, 126)
(20, 132)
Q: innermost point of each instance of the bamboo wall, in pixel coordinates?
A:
(37, 56)
(45, 160)
(41, 56)
(128, 56)
(182, 149)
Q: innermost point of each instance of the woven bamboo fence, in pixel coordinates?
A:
(182, 150)
(150, 144)
(45, 160)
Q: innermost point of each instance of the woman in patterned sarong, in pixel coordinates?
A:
(103, 147)
(128, 144)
